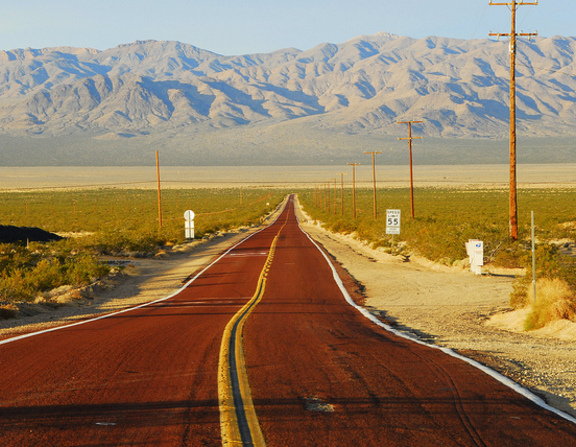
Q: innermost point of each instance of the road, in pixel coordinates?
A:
(261, 347)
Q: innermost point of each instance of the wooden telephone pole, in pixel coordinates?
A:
(410, 138)
(374, 179)
(354, 186)
(342, 194)
(335, 204)
(159, 192)
(513, 35)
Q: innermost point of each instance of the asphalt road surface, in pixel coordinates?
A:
(261, 348)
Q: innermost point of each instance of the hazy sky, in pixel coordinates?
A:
(251, 26)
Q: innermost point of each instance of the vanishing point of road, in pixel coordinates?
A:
(263, 347)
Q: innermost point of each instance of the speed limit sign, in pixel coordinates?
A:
(392, 221)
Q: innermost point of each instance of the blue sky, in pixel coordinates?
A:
(252, 26)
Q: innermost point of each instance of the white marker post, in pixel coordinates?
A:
(189, 224)
(392, 224)
(475, 251)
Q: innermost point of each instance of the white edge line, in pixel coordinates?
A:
(496, 375)
(32, 334)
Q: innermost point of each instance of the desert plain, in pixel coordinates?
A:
(458, 176)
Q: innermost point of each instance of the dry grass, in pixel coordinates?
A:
(555, 300)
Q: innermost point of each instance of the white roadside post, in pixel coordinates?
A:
(475, 251)
(189, 224)
(392, 224)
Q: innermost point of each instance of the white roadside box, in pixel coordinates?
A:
(475, 251)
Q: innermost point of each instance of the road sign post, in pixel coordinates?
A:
(189, 224)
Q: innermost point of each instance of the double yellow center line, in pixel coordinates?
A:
(238, 420)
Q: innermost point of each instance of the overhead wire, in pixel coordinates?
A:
(526, 12)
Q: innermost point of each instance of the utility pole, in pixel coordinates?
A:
(410, 138)
(342, 194)
(353, 186)
(374, 179)
(159, 193)
(335, 204)
(513, 35)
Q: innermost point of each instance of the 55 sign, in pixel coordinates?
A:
(392, 221)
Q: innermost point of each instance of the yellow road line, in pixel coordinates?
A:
(238, 420)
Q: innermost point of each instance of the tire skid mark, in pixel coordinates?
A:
(458, 405)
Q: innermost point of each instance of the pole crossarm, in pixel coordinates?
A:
(499, 35)
(410, 137)
(521, 2)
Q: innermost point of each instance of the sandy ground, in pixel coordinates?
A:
(445, 306)
(461, 176)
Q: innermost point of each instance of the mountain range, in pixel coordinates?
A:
(83, 106)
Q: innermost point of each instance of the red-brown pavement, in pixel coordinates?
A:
(321, 374)
(144, 377)
(324, 375)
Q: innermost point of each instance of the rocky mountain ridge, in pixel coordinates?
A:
(160, 90)
(458, 87)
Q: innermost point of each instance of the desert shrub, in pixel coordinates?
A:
(550, 265)
(519, 294)
(26, 272)
(15, 286)
(446, 246)
(508, 254)
(344, 226)
(115, 242)
(46, 274)
(83, 269)
(555, 300)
